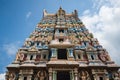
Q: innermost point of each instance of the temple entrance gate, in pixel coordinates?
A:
(63, 75)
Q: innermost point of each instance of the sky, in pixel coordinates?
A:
(18, 18)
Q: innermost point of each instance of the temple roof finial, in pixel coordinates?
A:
(60, 8)
(61, 11)
(44, 13)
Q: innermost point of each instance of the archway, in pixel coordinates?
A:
(63, 75)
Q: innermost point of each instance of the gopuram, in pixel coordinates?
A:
(62, 48)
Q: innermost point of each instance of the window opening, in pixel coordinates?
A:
(25, 78)
(79, 57)
(44, 56)
(63, 75)
(61, 30)
(92, 57)
(31, 57)
(60, 40)
(100, 78)
(62, 54)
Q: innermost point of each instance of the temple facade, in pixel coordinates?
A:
(62, 48)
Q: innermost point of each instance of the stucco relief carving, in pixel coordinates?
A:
(41, 75)
(11, 76)
(84, 75)
(104, 56)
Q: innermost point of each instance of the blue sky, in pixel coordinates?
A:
(18, 19)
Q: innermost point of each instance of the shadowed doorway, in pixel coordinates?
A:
(63, 75)
(62, 54)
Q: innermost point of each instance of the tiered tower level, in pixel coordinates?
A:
(61, 48)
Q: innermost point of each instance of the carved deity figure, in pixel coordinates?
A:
(116, 76)
(11, 76)
(27, 43)
(19, 57)
(107, 56)
(104, 56)
(41, 75)
(84, 75)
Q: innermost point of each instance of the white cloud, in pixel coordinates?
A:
(2, 76)
(105, 25)
(86, 12)
(28, 14)
(11, 48)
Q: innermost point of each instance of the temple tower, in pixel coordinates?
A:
(62, 48)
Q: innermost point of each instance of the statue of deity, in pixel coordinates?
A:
(84, 75)
(41, 75)
(11, 76)
(116, 76)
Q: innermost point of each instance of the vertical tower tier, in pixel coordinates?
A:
(62, 48)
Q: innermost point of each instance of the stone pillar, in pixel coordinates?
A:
(71, 75)
(41, 56)
(54, 75)
(70, 51)
(107, 77)
(28, 57)
(76, 74)
(96, 56)
(88, 55)
(50, 73)
(70, 54)
(34, 57)
(21, 77)
(95, 76)
(82, 56)
(29, 77)
(54, 52)
(76, 55)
